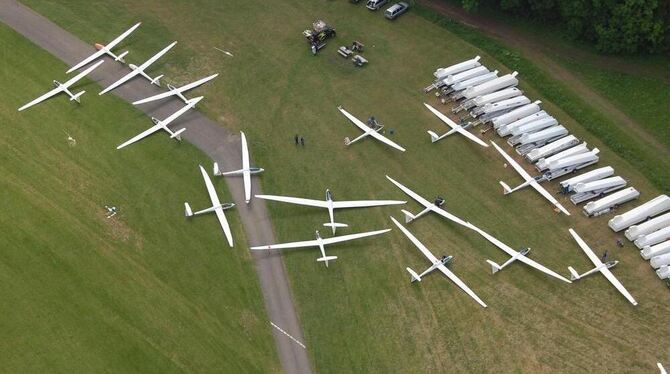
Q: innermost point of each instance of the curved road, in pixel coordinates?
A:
(208, 136)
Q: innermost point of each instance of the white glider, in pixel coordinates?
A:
(163, 125)
(368, 131)
(515, 255)
(661, 368)
(139, 70)
(246, 170)
(428, 206)
(106, 50)
(434, 207)
(177, 91)
(529, 181)
(461, 129)
(331, 205)
(436, 264)
(319, 242)
(63, 87)
(601, 267)
(216, 207)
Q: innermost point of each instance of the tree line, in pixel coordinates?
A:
(613, 26)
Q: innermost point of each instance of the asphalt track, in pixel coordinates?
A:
(208, 136)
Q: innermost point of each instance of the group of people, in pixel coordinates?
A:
(299, 140)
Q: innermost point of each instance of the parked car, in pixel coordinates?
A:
(375, 4)
(396, 9)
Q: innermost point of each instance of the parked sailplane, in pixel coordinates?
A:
(455, 128)
(331, 205)
(139, 70)
(63, 87)
(106, 50)
(529, 181)
(217, 207)
(521, 256)
(601, 267)
(178, 91)
(368, 131)
(163, 125)
(428, 206)
(246, 170)
(436, 208)
(436, 264)
(320, 242)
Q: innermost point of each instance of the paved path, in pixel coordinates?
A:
(205, 134)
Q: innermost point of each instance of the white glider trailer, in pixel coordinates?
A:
(524, 126)
(516, 114)
(491, 98)
(552, 148)
(591, 190)
(528, 142)
(655, 250)
(461, 86)
(504, 130)
(654, 238)
(568, 185)
(663, 272)
(490, 111)
(607, 203)
(452, 79)
(571, 164)
(648, 227)
(543, 163)
(645, 211)
(442, 73)
(508, 80)
(658, 261)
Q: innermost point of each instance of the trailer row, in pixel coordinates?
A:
(536, 135)
(541, 140)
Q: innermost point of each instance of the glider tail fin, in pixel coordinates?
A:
(409, 217)
(187, 210)
(177, 134)
(494, 267)
(325, 259)
(157, 80)
(573, 273)
(506, 188)
(76, 97)
(121, 57)
(433, 136)
(415, 276)
(335, 225)
(217, 171)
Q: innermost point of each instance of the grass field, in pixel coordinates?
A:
(144, 291)
(361, 314)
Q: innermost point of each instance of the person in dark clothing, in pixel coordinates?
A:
(302, 141)
(296, 139)
(605, 254)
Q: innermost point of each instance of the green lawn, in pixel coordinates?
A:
(361, 314)
(144, 291)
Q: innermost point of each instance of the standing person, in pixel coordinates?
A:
(296, 139)
(605, 255)
(302, 141)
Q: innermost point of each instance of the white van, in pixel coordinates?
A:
(395, 10)
(375, 4)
